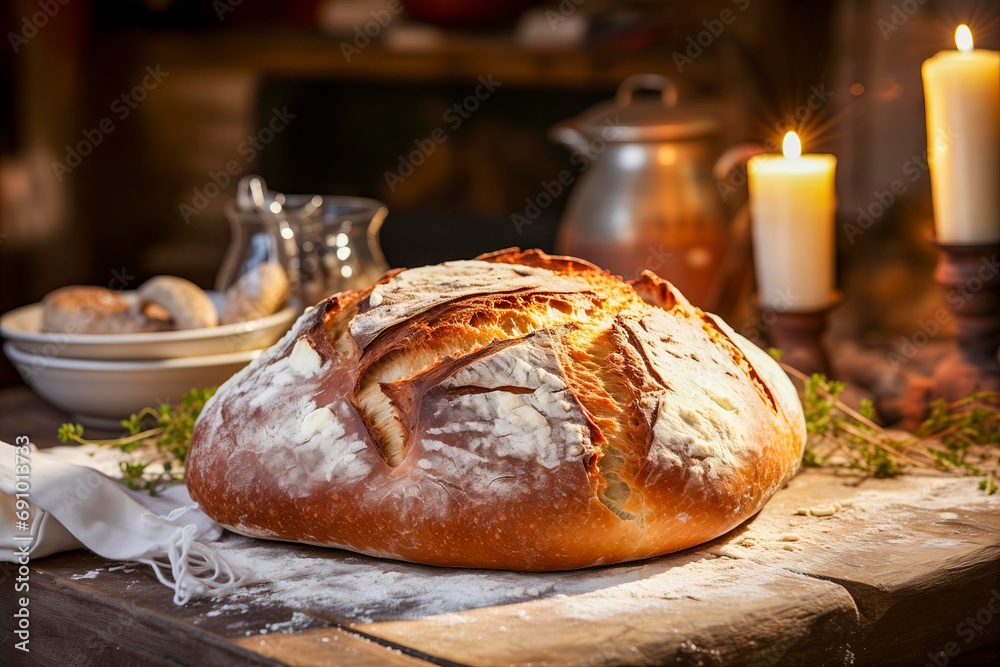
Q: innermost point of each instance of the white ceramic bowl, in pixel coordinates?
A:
(23, 326)
(100, 393)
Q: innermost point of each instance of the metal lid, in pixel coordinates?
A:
(634, 118)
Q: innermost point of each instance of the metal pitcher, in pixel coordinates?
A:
(647, 199)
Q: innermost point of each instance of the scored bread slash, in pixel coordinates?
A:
(516, 411)
(415, 291)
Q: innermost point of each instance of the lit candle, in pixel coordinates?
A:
(792, 203)
(962, 95)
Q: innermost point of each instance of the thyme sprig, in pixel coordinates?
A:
(157, 436)
(961, 436)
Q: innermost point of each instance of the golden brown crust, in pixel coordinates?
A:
(540, 260)
(516, 411)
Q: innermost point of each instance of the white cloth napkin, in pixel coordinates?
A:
(72, 506)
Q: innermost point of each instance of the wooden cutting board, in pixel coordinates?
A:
(888, 572)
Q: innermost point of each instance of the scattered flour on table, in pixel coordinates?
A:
(89, 575)
(355, 588)
(820, 510)
(298, 620)
(361, 589)
(337, 584)
(884, 513)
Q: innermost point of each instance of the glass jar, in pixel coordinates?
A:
(337, 247)
(326, 244)
(257, 238)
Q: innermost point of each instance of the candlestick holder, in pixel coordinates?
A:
(969, 272)
(798, 334)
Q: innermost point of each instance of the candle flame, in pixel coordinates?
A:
(963, 38)
(791, 146)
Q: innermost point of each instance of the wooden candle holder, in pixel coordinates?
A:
(799, 334)
(969, 273)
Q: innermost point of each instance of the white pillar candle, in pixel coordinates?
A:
(793, 205)
(962, 96)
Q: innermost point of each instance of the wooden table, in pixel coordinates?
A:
(888, 572)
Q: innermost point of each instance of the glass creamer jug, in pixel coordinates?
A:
(647, 199)
(326, 244)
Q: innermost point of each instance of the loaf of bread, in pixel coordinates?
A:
(516, 411)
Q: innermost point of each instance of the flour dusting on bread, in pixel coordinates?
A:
(304, 359)
(700, 435)
(514, 403)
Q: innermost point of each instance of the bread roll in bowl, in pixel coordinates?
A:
(84, 309)
(187, 304)
(517, 411)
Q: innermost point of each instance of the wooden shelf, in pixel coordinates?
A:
(458, 58)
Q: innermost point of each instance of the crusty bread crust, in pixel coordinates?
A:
(517, 411)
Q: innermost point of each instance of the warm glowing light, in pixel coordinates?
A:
(963, 38)
(791, 146)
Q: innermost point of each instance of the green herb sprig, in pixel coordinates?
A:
(158, 435)
(961, 436)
